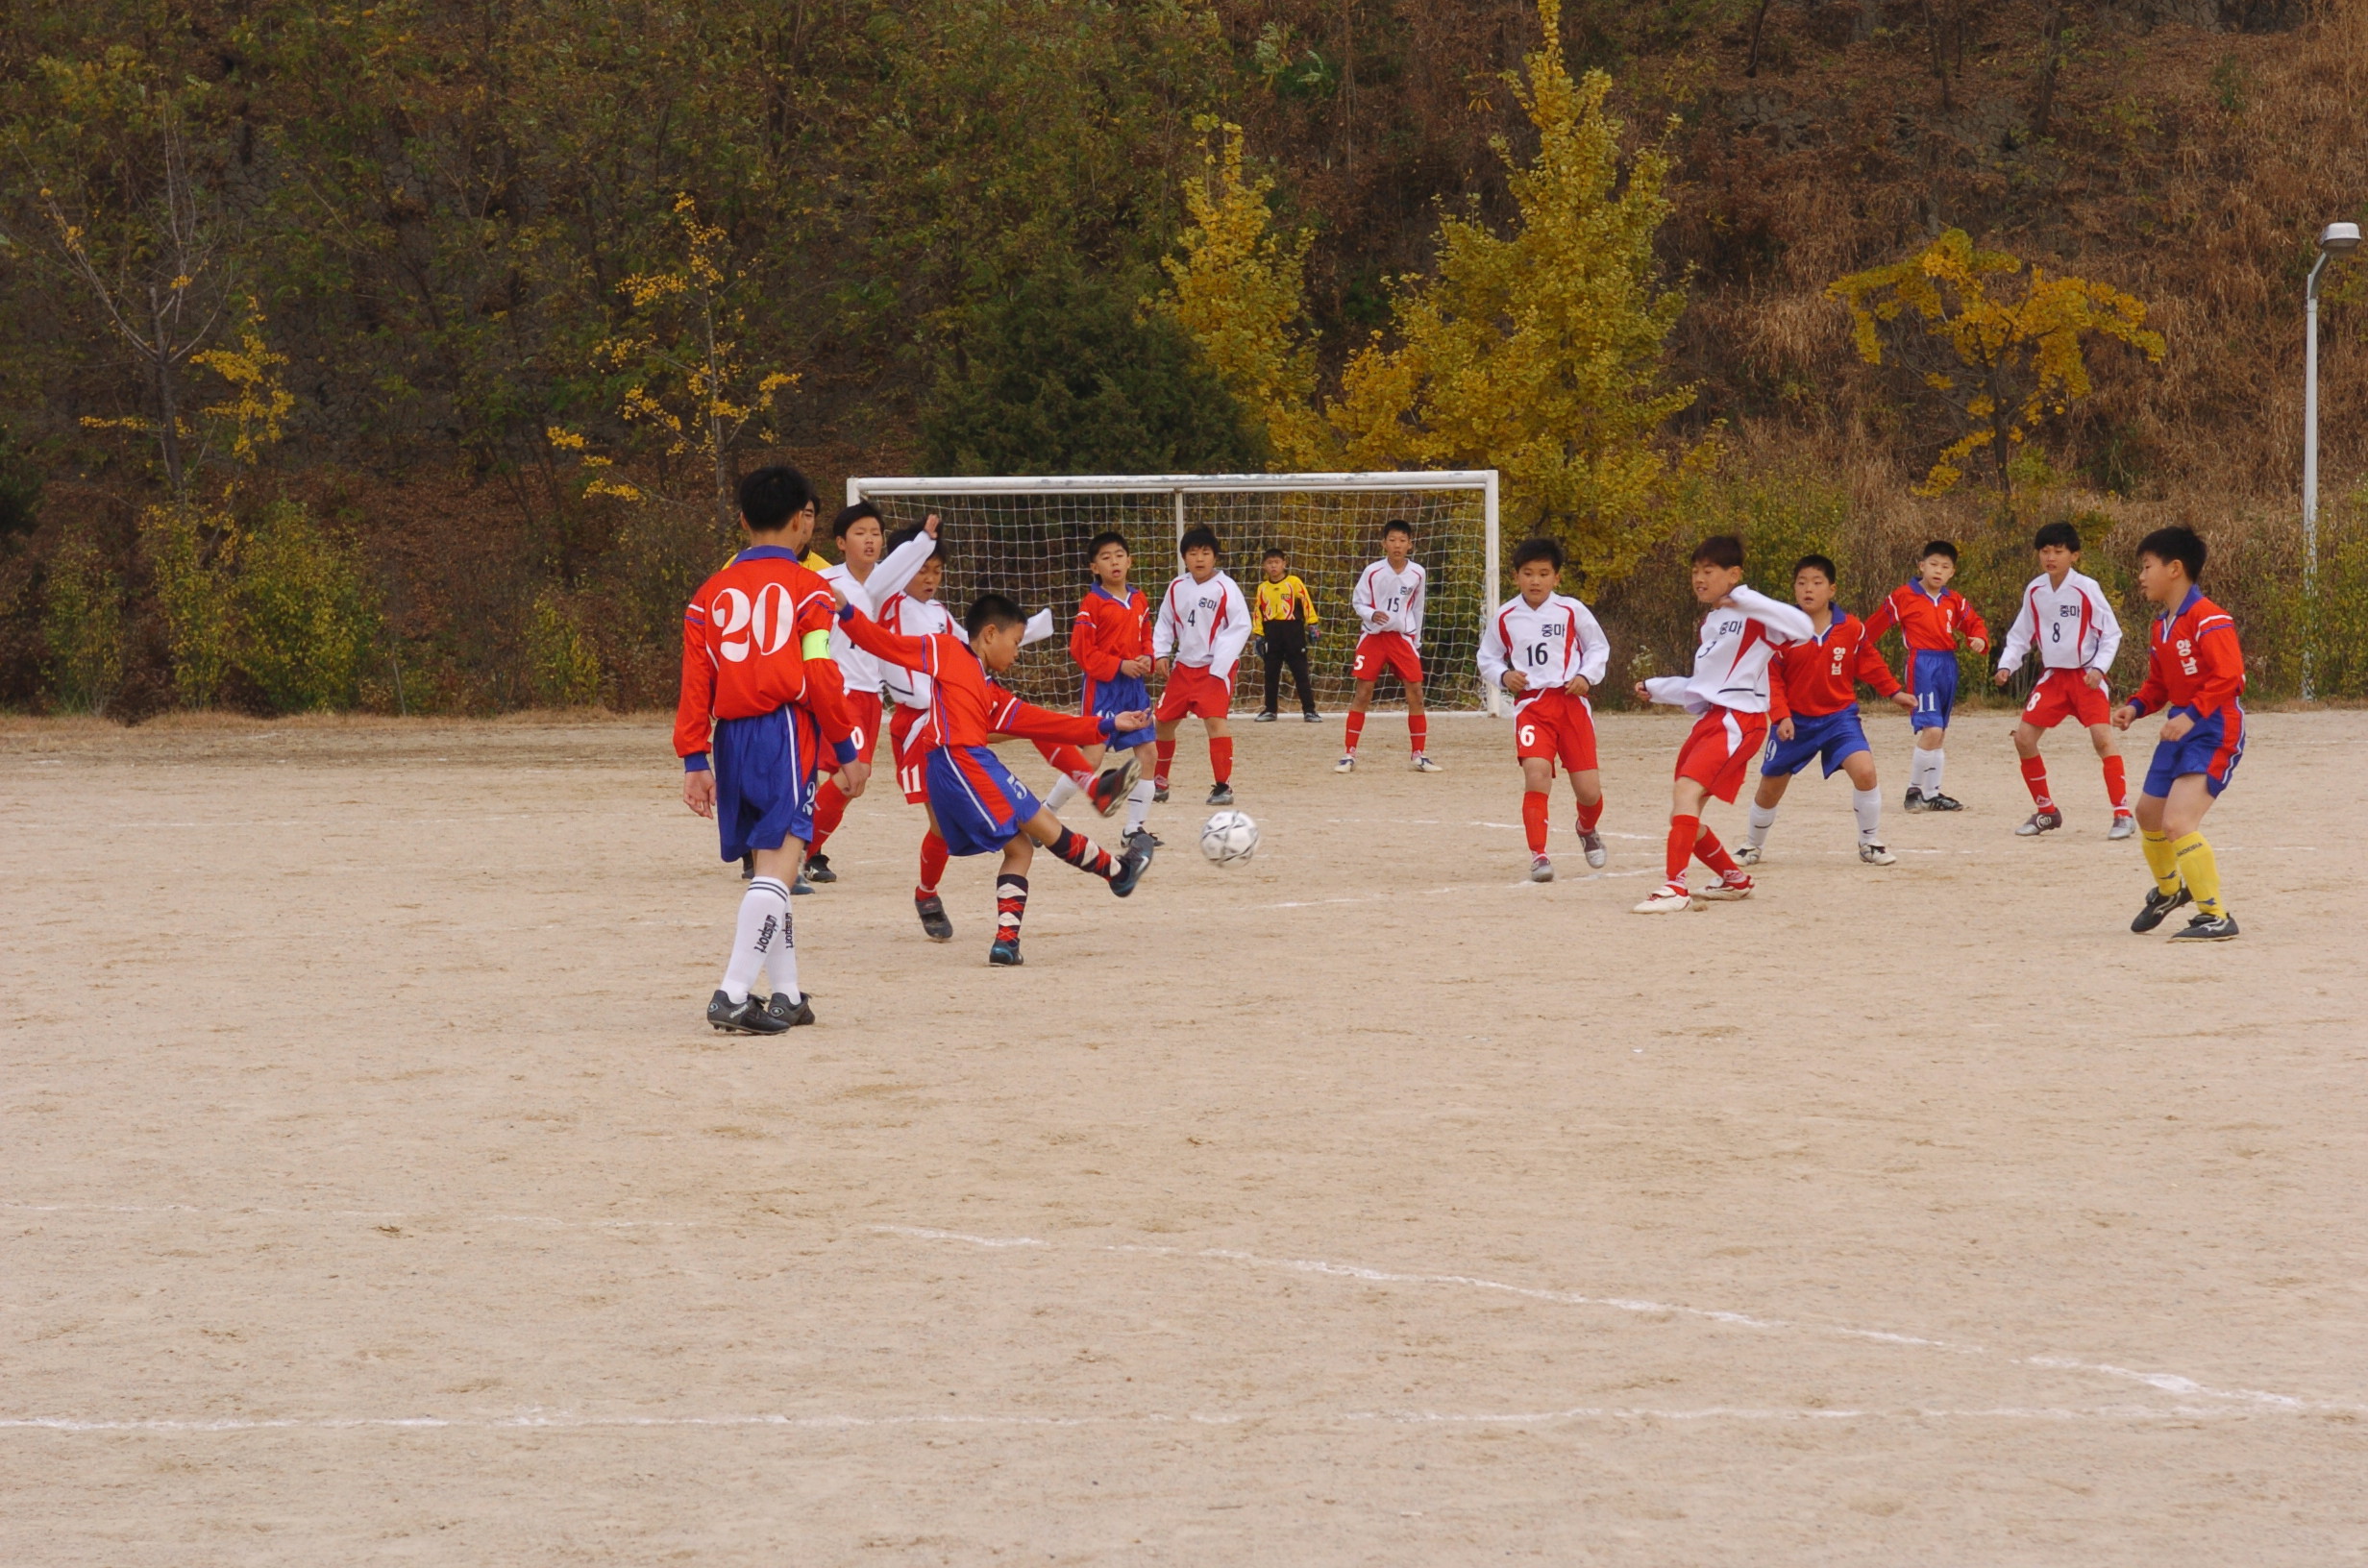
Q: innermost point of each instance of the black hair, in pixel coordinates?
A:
(1276, 553)
(1820, 562)
(1398, 525)
(992, 610)
(1200, 536)
(2176, 544)
(1937, 547)
(1719, 550)
(1107, 536)
(850, 516)
(2056, 533)
(770, 496)
(902, 537)
(1538, 549)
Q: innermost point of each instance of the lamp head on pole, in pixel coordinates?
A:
(2339, 238)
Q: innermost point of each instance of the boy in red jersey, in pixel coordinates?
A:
(1389, 602)
(1812, 710)
(1110, 641)
(976, 804)
(1196, 640)
(2065, 615)
(1931, 616)
(2195, 668)
(757, 673)
(1546, 650)
(1728, 690)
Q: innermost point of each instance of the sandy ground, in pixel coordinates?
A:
(373, 1192)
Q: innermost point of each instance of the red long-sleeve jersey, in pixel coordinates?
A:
(2192, 660)
(743, 652)
(964, 704)
(1821, 675)
(1108, 629)
(1928, 623)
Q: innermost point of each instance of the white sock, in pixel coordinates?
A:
(1932, 769)
(1762, 817)
(1868, 805)
(1138, 804)
(1061, 794)
(763, 930)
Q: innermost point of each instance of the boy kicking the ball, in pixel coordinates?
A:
(2067, 618)
(1388, 601)
(1728, 690)
(1546, 650)
(1197, 641)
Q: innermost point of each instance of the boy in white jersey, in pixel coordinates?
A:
(1388, 601)
(1729, 689)
(1196, 640)
(861, 539)
(2067, 618)
(1547, 650)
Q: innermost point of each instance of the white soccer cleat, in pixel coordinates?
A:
(1596, 853)
(1671, 898)
(1728, 887)
(1541, 869)
(1748, 854)
(1347, 764)
(2124, 825)
(1874, 854)
(1422, 764)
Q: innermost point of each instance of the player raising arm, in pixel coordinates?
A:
(1546, 650)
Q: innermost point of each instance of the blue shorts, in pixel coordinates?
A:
(1829, 737)
(1119, 693)
(764, 780)
(978, 803)
(2214, 748)
(1932, 680)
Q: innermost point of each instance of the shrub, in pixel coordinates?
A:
(563, 667)
(81, 624)
(307, 618)
(191, 554)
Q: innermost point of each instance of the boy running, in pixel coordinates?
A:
(1388, 603)
(1729, 689)
(757, 673)
(1546, 650)
(1282, 617)
(2193, 667)
(1812, 709)
(1931, 616)
(2066, 616)
(1197, 641)
(1110, 641)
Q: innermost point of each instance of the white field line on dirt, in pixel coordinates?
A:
(2167, 1381)
(430, 1216)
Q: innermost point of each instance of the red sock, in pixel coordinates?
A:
(1532, 820)
(1166, 755)
(1683, 831)
(1713, 854)
(1417, 731)
(1220, 758)
(1356, 728)
(1070, 761)
(1590, 815)
(934, 854)
(2034, 779)
(2117, 784)
(830, 810)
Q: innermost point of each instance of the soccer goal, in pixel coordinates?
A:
(1028, 537)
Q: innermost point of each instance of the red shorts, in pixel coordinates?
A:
(1191, 689)
(912, 757)
(2065, 694)
(1379, 650)
(864, 708)
(1557, 727)
(1719, 752)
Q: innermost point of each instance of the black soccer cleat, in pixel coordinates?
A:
(1221, 796)
(790, 1013)
(1263, 719)
(2045, 819)
(2206, 928)
(1111, 786)
(1936, 801)
(1132, 864)
(932, 912)
(1313, 716)
(818, 869)
(748, 868)
(2159, 906)
(1144, 834)
(747, 1017)
(1005, 953)
(1914, 801)
(1159, 791)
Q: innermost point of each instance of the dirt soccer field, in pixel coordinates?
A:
(374, 1191)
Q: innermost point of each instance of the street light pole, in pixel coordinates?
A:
(2334, 241)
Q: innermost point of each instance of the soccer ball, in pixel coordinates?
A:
(1229, 837)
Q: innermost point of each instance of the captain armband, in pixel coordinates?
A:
(815, 644)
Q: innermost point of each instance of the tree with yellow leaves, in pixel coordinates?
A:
(2002, 361)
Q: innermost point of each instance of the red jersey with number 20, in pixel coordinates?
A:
(741, 648)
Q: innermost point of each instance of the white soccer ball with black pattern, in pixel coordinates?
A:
(1229, 838)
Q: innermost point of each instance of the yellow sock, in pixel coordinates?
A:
(2201, 873)
(2161, 860)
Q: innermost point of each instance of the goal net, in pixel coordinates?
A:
(1026, 538)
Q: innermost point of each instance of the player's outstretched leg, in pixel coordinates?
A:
(1684, 828)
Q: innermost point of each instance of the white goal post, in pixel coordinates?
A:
(1027, 537)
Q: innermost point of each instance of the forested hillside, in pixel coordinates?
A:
(393, 356)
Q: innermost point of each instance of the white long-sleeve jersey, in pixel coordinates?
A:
(860, 671)
(2074, 625)
(1387, 601)
(1730, 667)
(1203, 624)
(1546, 644)
(912, 618)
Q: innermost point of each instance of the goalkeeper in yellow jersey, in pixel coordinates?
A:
(1282, 617)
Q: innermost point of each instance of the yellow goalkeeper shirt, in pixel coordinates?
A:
(1282, 600)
